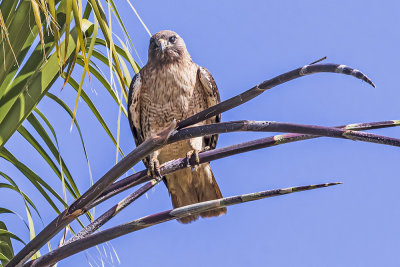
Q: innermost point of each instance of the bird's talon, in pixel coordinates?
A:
(154, 169)
(189, 156)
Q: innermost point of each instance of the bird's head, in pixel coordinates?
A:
(167, 46)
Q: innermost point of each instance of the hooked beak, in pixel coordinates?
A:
(162, 44)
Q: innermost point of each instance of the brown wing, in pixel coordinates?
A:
(211, 95)
(134, 109)
(134, 112)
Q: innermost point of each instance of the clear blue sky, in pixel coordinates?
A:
(243, 43)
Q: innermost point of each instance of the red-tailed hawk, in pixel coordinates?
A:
(171, 86)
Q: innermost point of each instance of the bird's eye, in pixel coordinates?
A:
(172, 39)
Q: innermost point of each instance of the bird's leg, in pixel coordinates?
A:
(196, 144)
(154, 165)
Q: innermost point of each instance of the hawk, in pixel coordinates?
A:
(171, 86)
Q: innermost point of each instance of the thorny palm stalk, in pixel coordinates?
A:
(80, 205)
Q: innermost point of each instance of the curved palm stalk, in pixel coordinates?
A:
(80, 205)
(147, 221)
(218, 153)
(272, 126)
(174, 165)
(269, 84)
